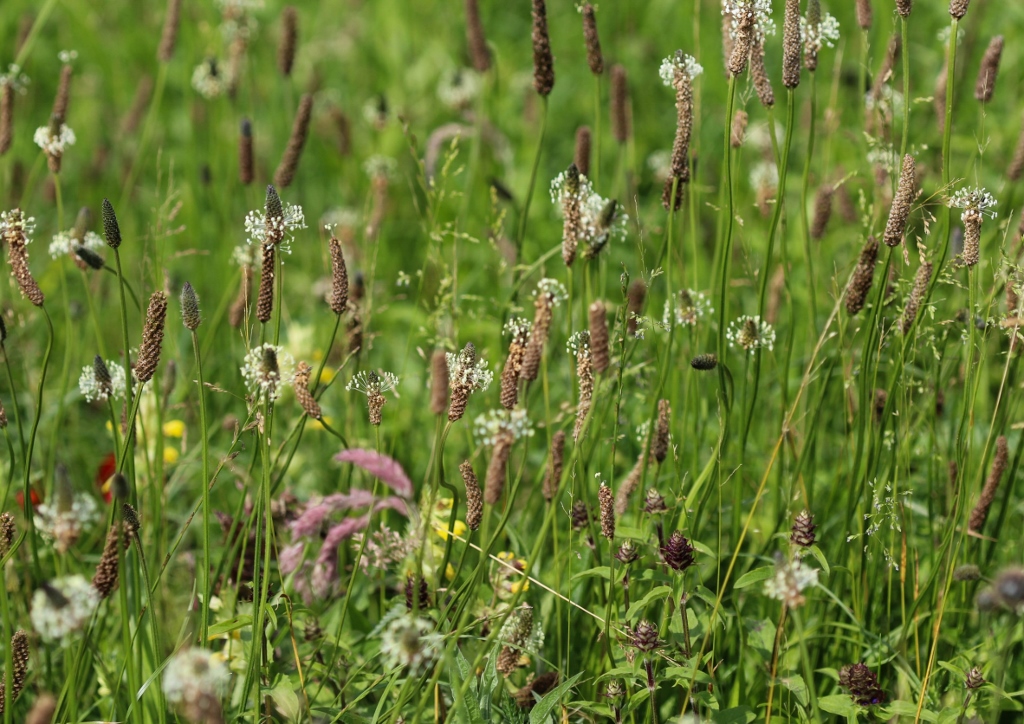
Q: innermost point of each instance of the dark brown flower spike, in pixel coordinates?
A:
(293, 151)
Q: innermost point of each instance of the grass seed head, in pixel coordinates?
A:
(111, 230)
(621, 123)
(958, 8)
(865, 14)
(791, 45)
(988, 493)
(590, 37)
(306, 400)
(543, 62)
(900, 210)
(581, 156)
(289, 41)
(169, 36)
(293, 151)
(152, 337)
(190, 307)
(474, 498)
(606, 505)
(863, 276)
(986, 83)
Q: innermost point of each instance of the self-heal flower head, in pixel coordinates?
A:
(751, 333)
(62, 607)
(791, 579)
(759, 10)
(268, 369)
(678, 63)
(973, 201)
(54, 143)
(65, 243)
(95, 388)
(264, 229)
(488, 428)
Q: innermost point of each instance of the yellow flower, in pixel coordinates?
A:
(326, 376)
(523, 584)
(459, 530)
(174, 428)
(317, 425)
(171, 455)
(449, 572)
(110, 427)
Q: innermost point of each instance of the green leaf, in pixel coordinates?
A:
(736, 715)
(240, 621)
(907, 708)
(467, 709)
(840, 704)
(287, 701)
(539, 713)
(820, 557)
(656, 594)
(602, 571)
(798, 686)
(755, 576)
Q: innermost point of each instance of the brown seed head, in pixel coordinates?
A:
(438, 382)
(289, 41)
(621, 126)
(988, 492)
(704, 362)
(6, 117)
(972, 237)
(1016, 167)
(152, 337)
(538, 337)
(60, 101)
(862, 684)
(594, 59)
(19, 671)
(677, 552)
(659, 445)
(802, 533)
(759, 74)
(572, 214)
(635, 305)
(863, 275)
(301, 384)
(477, 41)
(239, 308)
(607, 507)
(474, 499)
(190, 307)
(169, 37)
(986, 84)
(553, 479)
(742, 43)
(514, 363)
(7, 532)
(814, 25)
(917, 294)
(497, 473)
(791, 45)
(265, 297)
(582, 155)
(339, 278)
(585, 375)
(865, 13)
(543, 62)
(43, 710)
(293, 151)
(417, 594)
(629, 486)
(900, 210)
(739, 128)
(105, 578)
(958, 8)
(878, 410)
(245, 160)
(903, 7)
(599, 350)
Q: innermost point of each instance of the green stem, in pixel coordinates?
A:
(204, 426)
(533, 177)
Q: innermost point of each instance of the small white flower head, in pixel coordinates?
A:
(518, 328)
(378, 166)
(552, 290)
(751, 333)
(679, 64)
(62, 607)
(490, 427)
(208, 79)
(823, 35)
(62, 520)
(887, 101)
(93, 388)
(691, 308)
(791, 579)
(67, 56)
(268, 369)
(410, 642)
(54, 143)
(579, 344)
(466, 370)
(339, 216)
(565, 188)
(764, 175)
(261, 229)
(884, 155)
(372, 383)
(15, 78)
(194, 675)
(64, 243)
(759, 13)
(603, 220)
(244, 255)
(15, 222)
(660, 165)
(974, 201)
(458, 87)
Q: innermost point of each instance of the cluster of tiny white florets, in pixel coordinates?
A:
(64, 609)
(679, 62)
(595, 229)
(410, 641)
(886, 100)
(208, 80)
(244, 255)
(690, 308)
(262, 377)
(380, 166)
(885, 156)
(518, 327)
(15, 78)
(578, 344)
(238, 22)
(499, 423)
(750, 333)
(372, 384)
(973, 201)
(761, 10)
(67, 56)
(15, 222)
(64, 243)
(465, 369)
(824, 34)
(553, 290)
(65, 526)
(54, 145)
(458, 87)
(260, 229)
(193, 675)
(764, 175)
(791, 579)
(91, 388)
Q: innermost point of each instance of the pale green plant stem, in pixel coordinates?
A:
(595, 145)
(725, 251)
(804, 195)
(14, 401)
(129, 437)
(8, 629)
(27, 489)
(520, 236)
(205, 434)
(147, 130)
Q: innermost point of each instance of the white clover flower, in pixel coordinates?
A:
(15, 78)
(67, 56)
(553, 289)
(208, 80)
(489, 427)
(268, 369)
(64, 527)
(751, 333)
(791, 579)
(678, 62)
(15, 222)
(380, 166)
(193, 675)
(54, 145)
(372, 383)
(458, 88)
(410, 642)
(62, 607)
(690, 308)
(764, 175)
(64, 243)
(823, 35)
(262, 230)
(93, 389)
(973, 201)
(465, 370)
(759, 10)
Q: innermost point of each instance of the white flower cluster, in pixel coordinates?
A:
(518, 327)
(372, 383)
(54, 145)
(65, 526)
(823, 35)
(261, 230)
(410, 641)
(383, 166)
(67, 56)
(268, 369)
(244, 255)
(208, 80)
(791, 579)
(601, 219)
(91, 388)
(764, 175)
(579, 343)
(490, 426)
(553, 289)
(458, 88)
(679, 63)
(193, 675)
(761, 10)
(884, 155)
(691, 308)
(15, 222)
(62, 607)
(63, 243)
(750, 333)
(973, 201)
(887, 101)
(15, 78)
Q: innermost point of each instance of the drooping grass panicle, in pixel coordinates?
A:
(285, 172)
(152, 337)
(438, 382)
(289, 42)
(169, 36)
(339, 278)
(863, 275)
(549, 294)
(988, 492)
(581, 155)
(621, 121)
(900, 210)
(917, 295)
(245, 153)
(543, 61)
(958, 8)
(305, 398)
(479, 53)
(16, 230)
(474, 498)
(519, 328)
(791, 45)
(190, 316)
(553, 478)
(594, 58)
(986, 83)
